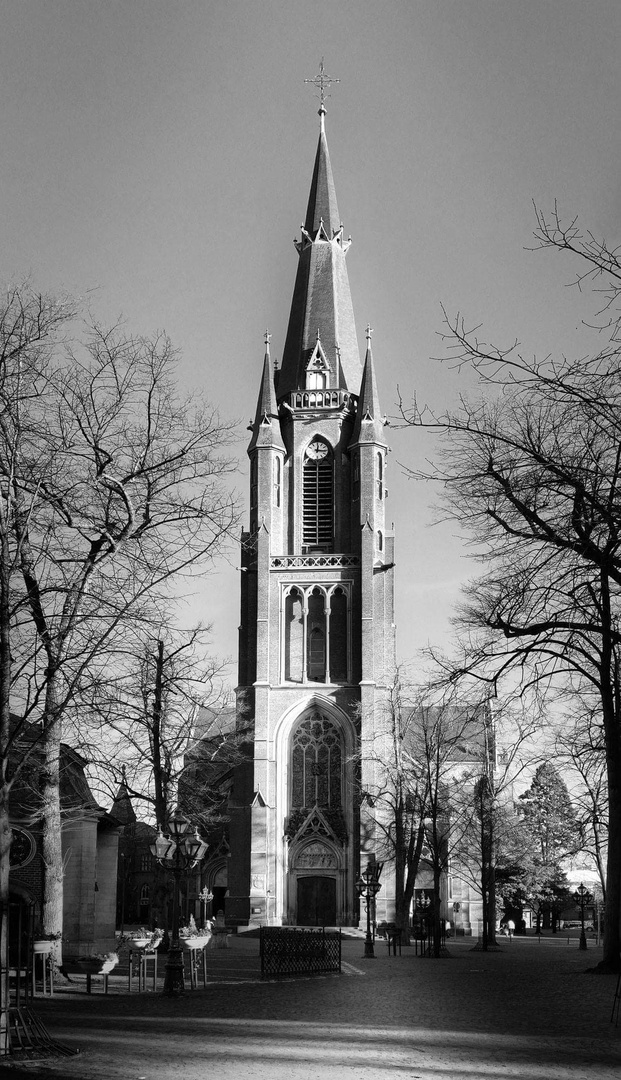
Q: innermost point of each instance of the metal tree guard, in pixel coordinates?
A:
(368, 886)
(178, 852)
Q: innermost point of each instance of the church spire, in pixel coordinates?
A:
(321, 302)
(322, 207)
(122, 808)
(266, 427)
(369, 422)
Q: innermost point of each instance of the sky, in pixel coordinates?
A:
(157, 157)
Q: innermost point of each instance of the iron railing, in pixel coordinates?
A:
(293, 951)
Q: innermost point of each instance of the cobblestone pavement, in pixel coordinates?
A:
(530, 1011)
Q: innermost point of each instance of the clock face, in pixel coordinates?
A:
(317, 450)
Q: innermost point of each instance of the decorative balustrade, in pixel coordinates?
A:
(322, 399)
(312, 562)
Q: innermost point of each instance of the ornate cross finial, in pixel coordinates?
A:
(267, 337)
(322, 81)
(369, 331)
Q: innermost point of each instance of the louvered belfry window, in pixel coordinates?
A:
(318, 520)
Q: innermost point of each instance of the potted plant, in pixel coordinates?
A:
(142, 938)
(97, 963)
(193, 938)
(44, 943)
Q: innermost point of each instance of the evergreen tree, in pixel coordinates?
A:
(550, 824)
(549, 817)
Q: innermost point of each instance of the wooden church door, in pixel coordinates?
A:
(316, 901)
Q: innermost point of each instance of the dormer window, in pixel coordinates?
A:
(317, 368)
(316, 380)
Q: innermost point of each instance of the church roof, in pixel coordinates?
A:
(122, 808)
(321, 307)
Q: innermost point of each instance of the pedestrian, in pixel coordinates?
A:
(510, 927)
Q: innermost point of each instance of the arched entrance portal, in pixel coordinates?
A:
(316, 827)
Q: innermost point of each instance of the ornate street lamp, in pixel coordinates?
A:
(422, 904)
(368, 886)
(178, 852)
(205, 898)
(583, 898)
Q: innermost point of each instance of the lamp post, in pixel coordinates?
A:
(205, 898)
(178, 852)
(583, 898)
(423, 903)
(368, 886)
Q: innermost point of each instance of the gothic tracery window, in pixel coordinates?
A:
(316, 764)
(315, 634)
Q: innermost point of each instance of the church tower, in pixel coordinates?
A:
(316, 640)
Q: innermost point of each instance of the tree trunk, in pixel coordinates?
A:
(491, 887)
(162, 810)
(5, 847)
(51, 838)
(612, 941)
(5, 825)
(610, 691)
(436, 926)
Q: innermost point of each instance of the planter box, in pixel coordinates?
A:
(94, 967)
(144, 943)
(196, 942)
(43, 948)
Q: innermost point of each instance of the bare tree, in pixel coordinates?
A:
(580, 751)
(111, 485)
(30, 326)
(532, 471)
(393, 799)
(159, 718)
(483, 802)
(413, 765)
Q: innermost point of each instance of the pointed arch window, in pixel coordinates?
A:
(294, 636)
(338, 636)
(316, 637)
(318, 497)
(277, 480)
(317, 764)
(254, 492)
(316, 633)
(380, 475)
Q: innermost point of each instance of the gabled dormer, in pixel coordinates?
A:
(318, 370)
